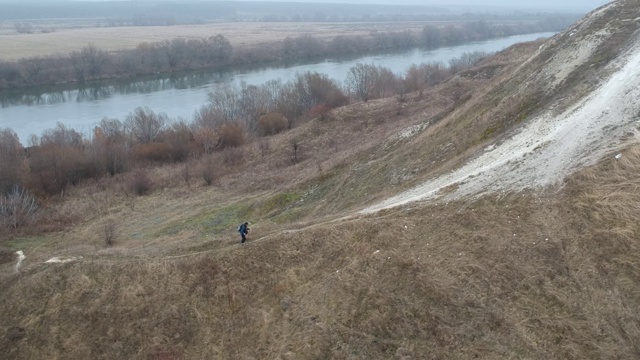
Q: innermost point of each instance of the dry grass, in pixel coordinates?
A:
(547, 275)
(64, 41)
(519, 276)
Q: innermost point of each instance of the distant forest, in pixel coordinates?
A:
(217, 52)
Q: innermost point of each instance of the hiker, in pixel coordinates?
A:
(243, 230)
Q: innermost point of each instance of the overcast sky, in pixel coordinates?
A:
(583, 5)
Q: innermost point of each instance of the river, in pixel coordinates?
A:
(180, 97)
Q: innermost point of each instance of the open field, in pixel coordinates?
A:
(17, 46)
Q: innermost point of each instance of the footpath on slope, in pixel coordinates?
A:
(549, 148)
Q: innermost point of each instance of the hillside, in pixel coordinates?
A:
(493, 216)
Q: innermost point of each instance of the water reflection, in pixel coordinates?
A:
(102, 91)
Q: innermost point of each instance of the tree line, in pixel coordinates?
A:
(62, 157)
(216, 52)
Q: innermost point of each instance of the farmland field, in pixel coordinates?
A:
(65, 40)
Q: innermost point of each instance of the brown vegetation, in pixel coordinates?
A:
(545, 274)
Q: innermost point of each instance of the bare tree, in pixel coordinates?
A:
(369, 81)
(89, 61)
(110, 232)
(466, 60)
(176, 51)
(33, 68)
(11, 160)
(24, 28)
(62, 136)
(360, 81)
(18, 208)
(144, 125)
(225, 101)
(220, 49)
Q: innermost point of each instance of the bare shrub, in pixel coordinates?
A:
(186, 173)
(7, 256)
(466, 60)
(18, 208)
(360, 81)
(54, 167)
(180, 137)
(206, 139)
(272, 123)
(140, 183)
(110, 232)
(153, 152)
(208, 117)
(231, 135)
(11, 160)
(294, 152)
(371, 82)
(264, 145)
(233, 156)
(321, 111)
(144, 125)
(224, 104)
(208, 172)
(315, 88)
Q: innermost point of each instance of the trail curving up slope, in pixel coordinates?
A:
(550, 147)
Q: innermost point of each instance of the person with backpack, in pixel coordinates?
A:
(243, 230)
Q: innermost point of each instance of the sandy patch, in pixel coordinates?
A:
(21, 258)
(62, 260)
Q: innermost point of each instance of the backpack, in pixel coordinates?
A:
(240, 228)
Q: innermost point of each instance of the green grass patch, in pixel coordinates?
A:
(488, 133)
(211, 222)
(26, 243)
(279, 202)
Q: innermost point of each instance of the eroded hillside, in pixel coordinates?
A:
(523, 269)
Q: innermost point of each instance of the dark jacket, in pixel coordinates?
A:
(244, 229)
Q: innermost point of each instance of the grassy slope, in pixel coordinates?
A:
(534, 275)
(524, 275)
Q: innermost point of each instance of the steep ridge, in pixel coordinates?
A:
(553, 144)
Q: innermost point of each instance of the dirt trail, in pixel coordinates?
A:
(550, 147)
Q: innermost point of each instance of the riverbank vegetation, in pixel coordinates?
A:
(218, 137)
(217, 52)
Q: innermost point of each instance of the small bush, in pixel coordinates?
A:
(206, 139)
(321, 111)
(110, 232)
(140, 183)
(230, 135)
(153, 152)
(208, 172)
(233, 156)
(272, 123)
(7, 256)
(264, 145)
(186, 173)
(294, 152)
(18, 209)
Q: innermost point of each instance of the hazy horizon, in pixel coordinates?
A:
(579, 5)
